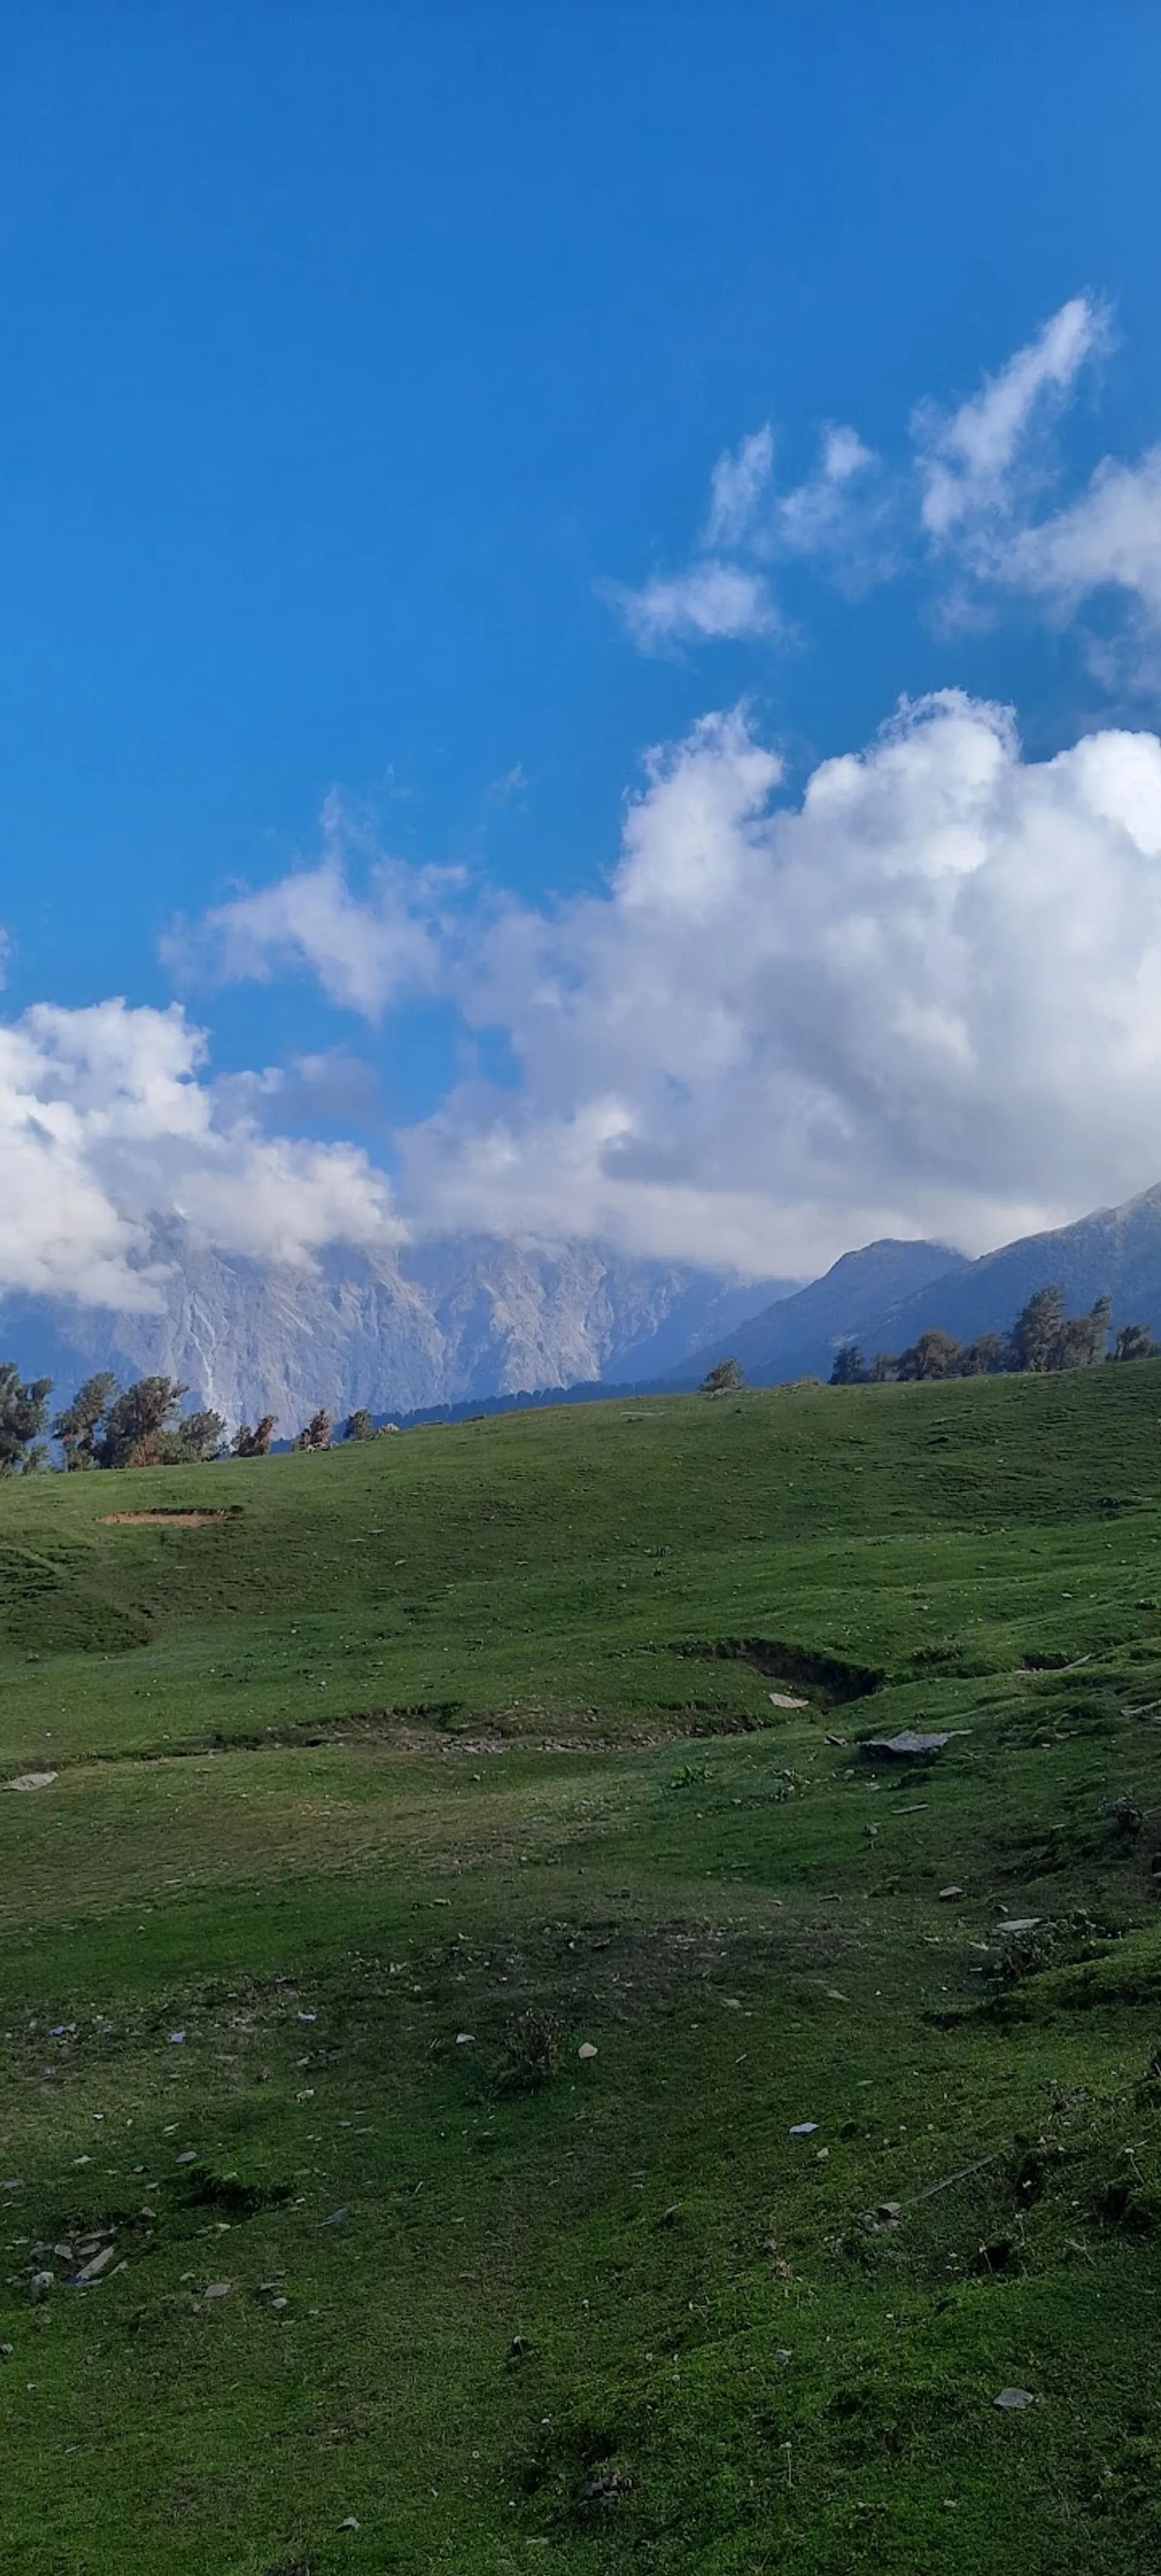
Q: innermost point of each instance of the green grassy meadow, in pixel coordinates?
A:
(425, 1766)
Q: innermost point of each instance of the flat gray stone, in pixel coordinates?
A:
(906, 1746)
(100, 2263)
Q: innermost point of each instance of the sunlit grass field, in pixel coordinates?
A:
(410, 1772)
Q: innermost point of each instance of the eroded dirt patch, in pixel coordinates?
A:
(829, 1679)
(172, 1519)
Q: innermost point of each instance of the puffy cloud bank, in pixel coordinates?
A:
(106, 1123)
(923, 997)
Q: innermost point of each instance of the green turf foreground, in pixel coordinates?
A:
(437, 1929)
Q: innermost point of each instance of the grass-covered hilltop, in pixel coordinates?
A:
(497, 2075)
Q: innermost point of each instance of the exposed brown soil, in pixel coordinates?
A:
(169, 1520)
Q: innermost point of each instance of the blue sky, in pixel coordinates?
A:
(365, 370)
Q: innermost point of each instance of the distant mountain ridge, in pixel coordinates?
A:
(466, 1320)
(798, 1335)
(1115, 1252)
(869, 1296)
(436, 1323)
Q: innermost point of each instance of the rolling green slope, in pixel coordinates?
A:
(399, 1777)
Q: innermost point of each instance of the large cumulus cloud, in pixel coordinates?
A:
(924, 996)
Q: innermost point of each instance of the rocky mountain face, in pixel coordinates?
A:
(434, 1323)
(465, 1319)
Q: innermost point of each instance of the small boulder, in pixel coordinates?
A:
(907, 1746)
(99, 2263)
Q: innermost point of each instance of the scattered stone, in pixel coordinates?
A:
(837, 1740)
(586, 2049)
(732, 2003)
(946, 1892)
(350, 2524)
(218, 2289)
(805, 2129)
(906, 1746)
(5, 2352)
(308, 2016)
(782, 2356)
(889, 2213)
(783, 1699)
(188, 2156)
(464, 2038)
(177, 2039)
(870, 1832)
(279, 2303)
(40, 2285)
(92, 2271)
(32, 1780)
(1011, 2399)
(1014, 1924)
(336, 2218)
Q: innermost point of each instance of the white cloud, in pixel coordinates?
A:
(816, 515)
(512, 783)
(108, 1127)
(924, 998)
(712, 599)
(723, 591)
(738, 485)
(982, 501)
(363, 951)
(976, 501)
(967, 461)
(1109, 538)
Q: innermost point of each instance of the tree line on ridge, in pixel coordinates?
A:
(1043, 1338)
(108, 1425)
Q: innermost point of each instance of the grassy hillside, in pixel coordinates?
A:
(419, 1769)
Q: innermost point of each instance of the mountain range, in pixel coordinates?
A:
(470, 1319)
(886, 1295)
(443, 1322)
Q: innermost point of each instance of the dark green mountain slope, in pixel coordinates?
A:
(798, 1336)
